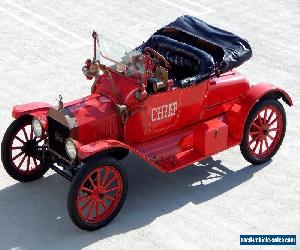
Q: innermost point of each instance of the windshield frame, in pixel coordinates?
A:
(130, 63)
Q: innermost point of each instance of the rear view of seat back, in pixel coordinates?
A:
(189, 65)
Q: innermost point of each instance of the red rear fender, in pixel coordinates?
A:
(238, 114)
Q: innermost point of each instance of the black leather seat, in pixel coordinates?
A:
(189, 65)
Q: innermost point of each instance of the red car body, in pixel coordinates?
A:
(208, 118)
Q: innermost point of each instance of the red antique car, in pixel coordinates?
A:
(172, 101)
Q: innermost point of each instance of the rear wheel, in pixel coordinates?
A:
(97, 193)
(264, 131)
(20, 150)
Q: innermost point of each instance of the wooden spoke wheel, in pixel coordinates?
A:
(20, 150)
(97, 193)
(264, 131)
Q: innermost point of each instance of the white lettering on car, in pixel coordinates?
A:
(164, 111)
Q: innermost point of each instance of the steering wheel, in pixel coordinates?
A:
(155, 55)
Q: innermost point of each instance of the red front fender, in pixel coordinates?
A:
(99, 147)
(238, 114)
(33, 108)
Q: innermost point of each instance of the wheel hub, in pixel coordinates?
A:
(98, 193)
(101, 196)
(265, 131)
(30, 147)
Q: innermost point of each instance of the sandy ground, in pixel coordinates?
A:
(43, 45)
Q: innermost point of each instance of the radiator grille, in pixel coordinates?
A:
(57, 134)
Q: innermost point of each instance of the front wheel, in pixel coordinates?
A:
(264, 131)
(97, 193)
(20, 151)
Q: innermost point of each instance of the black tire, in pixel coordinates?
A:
(87, 170)
(6, 153)
(246, 151)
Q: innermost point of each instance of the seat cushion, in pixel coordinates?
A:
(189, 65)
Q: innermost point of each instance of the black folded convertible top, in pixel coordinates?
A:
(227, 49)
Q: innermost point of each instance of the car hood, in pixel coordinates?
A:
(89, 119)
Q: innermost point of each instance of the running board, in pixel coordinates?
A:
(183, 148)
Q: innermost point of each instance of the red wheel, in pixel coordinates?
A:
(264, 131)
(97, 194)
(21, 151)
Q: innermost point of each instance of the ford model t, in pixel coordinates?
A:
(172, 101)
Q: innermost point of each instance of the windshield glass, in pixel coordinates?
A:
(120, 58)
